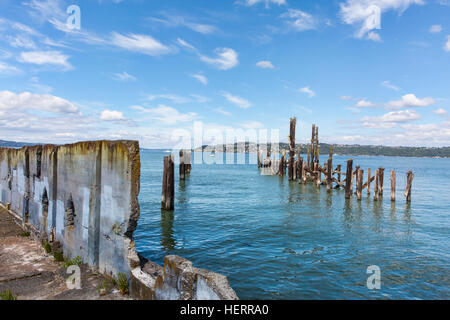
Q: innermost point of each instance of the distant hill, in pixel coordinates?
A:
(14, 144)
(356, 150)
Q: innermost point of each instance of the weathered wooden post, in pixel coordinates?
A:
(409, 179)
(293, 122)
(282, 164)
(368, 181)
(168, 186)
(318, 174)
(187, 162)
(260, 158)
(359, 183)
(355, 175)
(338, 168)
(380, 181)
(308, 158)
(313, 141)
(300, 169)
(348, 178)
(317, 144)
(392, 185)
(329, 173)
(182, 165)
(375, 189)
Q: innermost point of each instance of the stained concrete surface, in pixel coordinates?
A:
(32, 274)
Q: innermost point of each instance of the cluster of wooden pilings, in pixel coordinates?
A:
(311, 170)
(168, 184)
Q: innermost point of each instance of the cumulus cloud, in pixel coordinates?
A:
(390, 119)
(10, 101)
(299, 20)
(265, 65)
(410, 100)
(238, 101)
(140, 43)
(308, 91)
(111, 115)
(447, 44)
(226, 58)
(55, 58)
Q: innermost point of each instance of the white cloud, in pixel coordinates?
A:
(373, 36)
(435, 28)
(410, 100)
(447, 44)
(440, 111)
(390, 119)
(10, 101)
(299, 20)
(226, 59)
(389, 85)
(111, 115)
(171, 20)
(124, 76)
(238, 101)
(21, 41)
(140, 43)
(200, 78)
(308, 91)
(250, 3)
(167, 115)
(172, 97)
(364, 104)
(185, 44)
(265, 65)
(6, 69)
(46, 58)
(222, 111)
(364, 13)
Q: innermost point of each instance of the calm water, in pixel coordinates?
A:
(275, 239)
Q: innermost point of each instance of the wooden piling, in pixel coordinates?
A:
(409, 179)
(300, 169)
(168, 186)
(309, 158)
(368, 181)
(392, 185)
(375, 188)
(338, 169)
(294, 177)
(348, 178)
(329, 173)
(182, 165)
(380, 181)
(359, 183)
(282, 165)
(293, 122)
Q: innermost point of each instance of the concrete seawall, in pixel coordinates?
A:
(85, 196)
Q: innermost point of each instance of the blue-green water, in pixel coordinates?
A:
(276, 239)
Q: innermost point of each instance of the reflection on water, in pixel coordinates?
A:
(277, 239)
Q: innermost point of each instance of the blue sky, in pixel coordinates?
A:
(144, 69)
